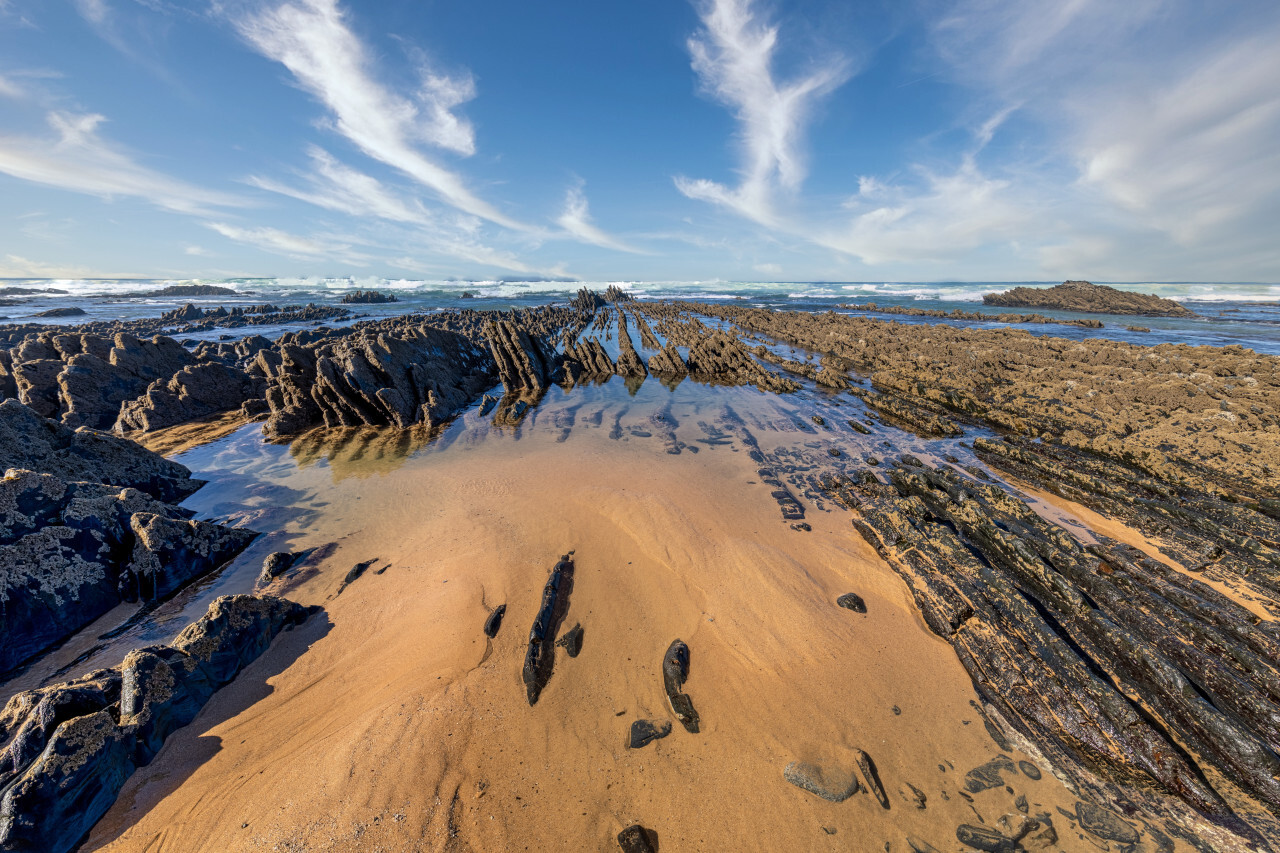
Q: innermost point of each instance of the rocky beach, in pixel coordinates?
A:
(795, 576)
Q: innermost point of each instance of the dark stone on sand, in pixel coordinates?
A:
(571, 642)
(918, 845)
(914, 796)
(355, 574)
(987, 776)
(830, 783)
(1029, 770)
(983, 838)
(852, 601)
(62, 312)
(872, 776)
(539, 659)
(675, 671)
(275, 565)
(635, 839)
(644, 731)
(1105, 823)
(494, 622)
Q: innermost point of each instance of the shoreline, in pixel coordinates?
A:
(785, 422)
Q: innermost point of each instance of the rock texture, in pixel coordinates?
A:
(407, 375)
(194, 392)
(1088, 297)
(539, 659)
(368, 297)
(67, 750)
(37, 444)
(1119, 667)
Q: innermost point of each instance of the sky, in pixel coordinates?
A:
(811, 140)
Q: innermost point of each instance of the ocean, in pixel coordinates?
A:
(1227, 313)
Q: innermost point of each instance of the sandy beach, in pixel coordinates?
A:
(715, 477)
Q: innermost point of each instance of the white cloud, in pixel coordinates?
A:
(336, 186)
(733, 56)
(9, 89)
(78, 159)
(15, 266)
(197, 251)
(94, 11)
(949, 216)
(312, 39)
(279, 242)
(577, 221)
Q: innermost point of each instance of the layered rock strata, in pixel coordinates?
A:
(1088, 297)
(67, 750)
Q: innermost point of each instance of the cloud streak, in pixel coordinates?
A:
(312, 39)
(733, 56)
(576, 220)
(80, 160)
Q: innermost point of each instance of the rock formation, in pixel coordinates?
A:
(1088, 297)
(194, 392)
(67, 750)
(368, 297)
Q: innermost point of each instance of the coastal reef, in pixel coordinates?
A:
(1088, 297)
(66, 750)
(72, 546)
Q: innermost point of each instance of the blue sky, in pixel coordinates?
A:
(731, 139)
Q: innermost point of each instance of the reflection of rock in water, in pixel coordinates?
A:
(361, 451)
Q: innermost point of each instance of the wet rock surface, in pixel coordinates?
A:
(494, 623)
(675, 671)
(1086, 296)
(68, 749)
(72, 547)
(540, 656)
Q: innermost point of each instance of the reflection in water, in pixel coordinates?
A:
(362, 451)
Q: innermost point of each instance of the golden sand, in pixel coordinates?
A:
(390, 722)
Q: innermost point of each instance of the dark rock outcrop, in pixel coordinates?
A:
(71, 311)
(540, 656)
(71, 551)
(368, 297)
(417, 374)
(1086, 296)
(67, 750)
(38, 444)
(635, 839)
(194, 392)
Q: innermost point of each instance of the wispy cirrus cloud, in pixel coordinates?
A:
(576, 220)
(280, 242)
(336, 186)
(312, 39)
(733, 55)
(77, 158)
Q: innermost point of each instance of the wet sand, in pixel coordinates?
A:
(391, 723)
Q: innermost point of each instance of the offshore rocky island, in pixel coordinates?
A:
(1049, 567)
